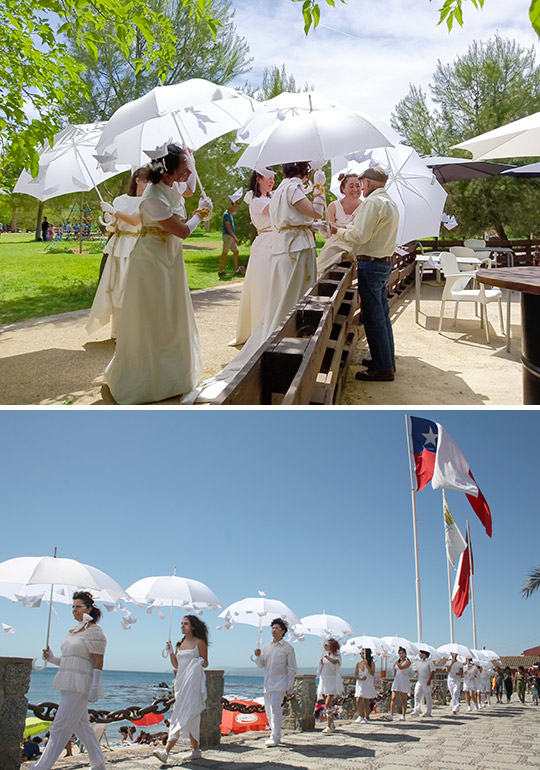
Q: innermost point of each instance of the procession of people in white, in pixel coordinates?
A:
(81, 665)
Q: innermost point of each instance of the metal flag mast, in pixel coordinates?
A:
(415, 533)
(471, 589)
(451, 609)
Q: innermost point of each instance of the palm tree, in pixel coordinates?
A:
(532, 583)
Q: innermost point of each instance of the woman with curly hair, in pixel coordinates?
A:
(365, 685)
(330, 682)
(79, 680)
(341, 213)
(188, 659)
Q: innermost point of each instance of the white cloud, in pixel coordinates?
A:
(366, 53)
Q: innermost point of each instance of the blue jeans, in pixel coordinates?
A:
(372, 287)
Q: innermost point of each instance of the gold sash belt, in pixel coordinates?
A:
(264, 230)
(299, 229)
(158, 231)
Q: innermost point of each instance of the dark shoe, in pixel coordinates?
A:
(372, 376)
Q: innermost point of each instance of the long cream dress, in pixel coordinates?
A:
(255, 288)
(107, 303)
(293, 270)
(190, 696)
(334, 250)
(157, 352)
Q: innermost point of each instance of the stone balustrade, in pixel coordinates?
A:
(14, 684)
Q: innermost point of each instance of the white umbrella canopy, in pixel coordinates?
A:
(457, 649)
(519, 139)
(487, 654)
(29, 573)
(411, 185)
(68, 166)
(191, 113)
(434, 653)
(279, 108)
(394, 642)
(258, 611)
(357, 643)
(325, 626)
(173, 590)
(315, 136)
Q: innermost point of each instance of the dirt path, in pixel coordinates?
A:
(51, 361)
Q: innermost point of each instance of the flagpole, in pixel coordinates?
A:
(415, 533)
(451, 609)
(472, 586)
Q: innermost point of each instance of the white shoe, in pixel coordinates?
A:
(389, 718)
(415, 713)
(327, 730)
(162, 755)
(469, 708)
(426, 714)
(271, 742)
(359, 720)
(364, 721)
(195, 754)
(402, 718)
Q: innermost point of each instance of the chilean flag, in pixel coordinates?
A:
(460, 594)
(438, 459)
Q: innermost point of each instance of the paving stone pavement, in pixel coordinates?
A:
(500, 737)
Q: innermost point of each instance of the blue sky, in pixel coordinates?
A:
(366, 52)
(313, 507)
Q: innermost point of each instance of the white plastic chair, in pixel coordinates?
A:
(485, 256)
(455, 290)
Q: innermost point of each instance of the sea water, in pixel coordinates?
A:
(135, 688)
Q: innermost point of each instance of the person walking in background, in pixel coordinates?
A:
(470, 684)
(79, 680)
(45, 229)
(189, 659)
(228, 234)
(279, 663)
(499, 683)
(330, 682)
(401, 683)
(364, 674)
(520, 683)
(425, 670)
(508, 684)
(454, 669)
(372, 238)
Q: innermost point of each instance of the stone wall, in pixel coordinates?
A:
(439, 692)
(211, 716)
(299, 714)
(14, 684)
(348, 710)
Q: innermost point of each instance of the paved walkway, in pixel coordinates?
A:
(50, 360)
(500, 737)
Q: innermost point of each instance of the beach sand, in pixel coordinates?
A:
(52, 361)
(500, 737)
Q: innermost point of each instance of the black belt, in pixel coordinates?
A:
(364, 258)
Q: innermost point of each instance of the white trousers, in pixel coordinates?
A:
(454, 685)
(71, 717)
(272, 706)
(425, 690)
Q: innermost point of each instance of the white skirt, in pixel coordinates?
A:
(365, 688)
(255, 288)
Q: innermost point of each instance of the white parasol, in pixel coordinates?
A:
(357, 643)
(57, 577)
(191, 113)
(325, 626)
(68, 166)
(457, 649)
(315, 136)
(411, 185)
(519, 139)
(259, 612)
(434, 653)
(175, 591)
(395, 642)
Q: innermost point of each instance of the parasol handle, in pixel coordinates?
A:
(35, 665)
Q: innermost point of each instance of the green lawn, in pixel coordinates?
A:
(36, 282)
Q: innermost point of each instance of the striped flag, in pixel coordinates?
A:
(455, 542)
(460, 595)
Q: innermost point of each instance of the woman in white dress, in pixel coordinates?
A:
(255, 288)
(454, 669)
(188, 660)
(401, 683)
(341, 213)
(79, 680)
(157, 352)
(125, 226)
(471, 676)
(485, 681)
(330, 682)
(365, 685)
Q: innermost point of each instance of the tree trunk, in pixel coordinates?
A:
(501, 232)
(38, 221)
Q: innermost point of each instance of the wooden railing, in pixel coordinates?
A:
(306, 359)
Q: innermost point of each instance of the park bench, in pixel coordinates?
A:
(305, 360)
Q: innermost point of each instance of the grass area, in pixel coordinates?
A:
(39, 279)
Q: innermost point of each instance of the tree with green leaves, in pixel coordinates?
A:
(115, 78)
(532, 583)
(493, 83)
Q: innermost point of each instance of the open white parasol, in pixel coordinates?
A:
(519, 139)
(456, 649)
(259, 612)
(395, 642)
(357, 643)
(325, 626)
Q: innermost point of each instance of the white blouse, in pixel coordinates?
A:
(76, 664)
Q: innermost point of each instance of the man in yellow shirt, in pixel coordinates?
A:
(372, 236)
